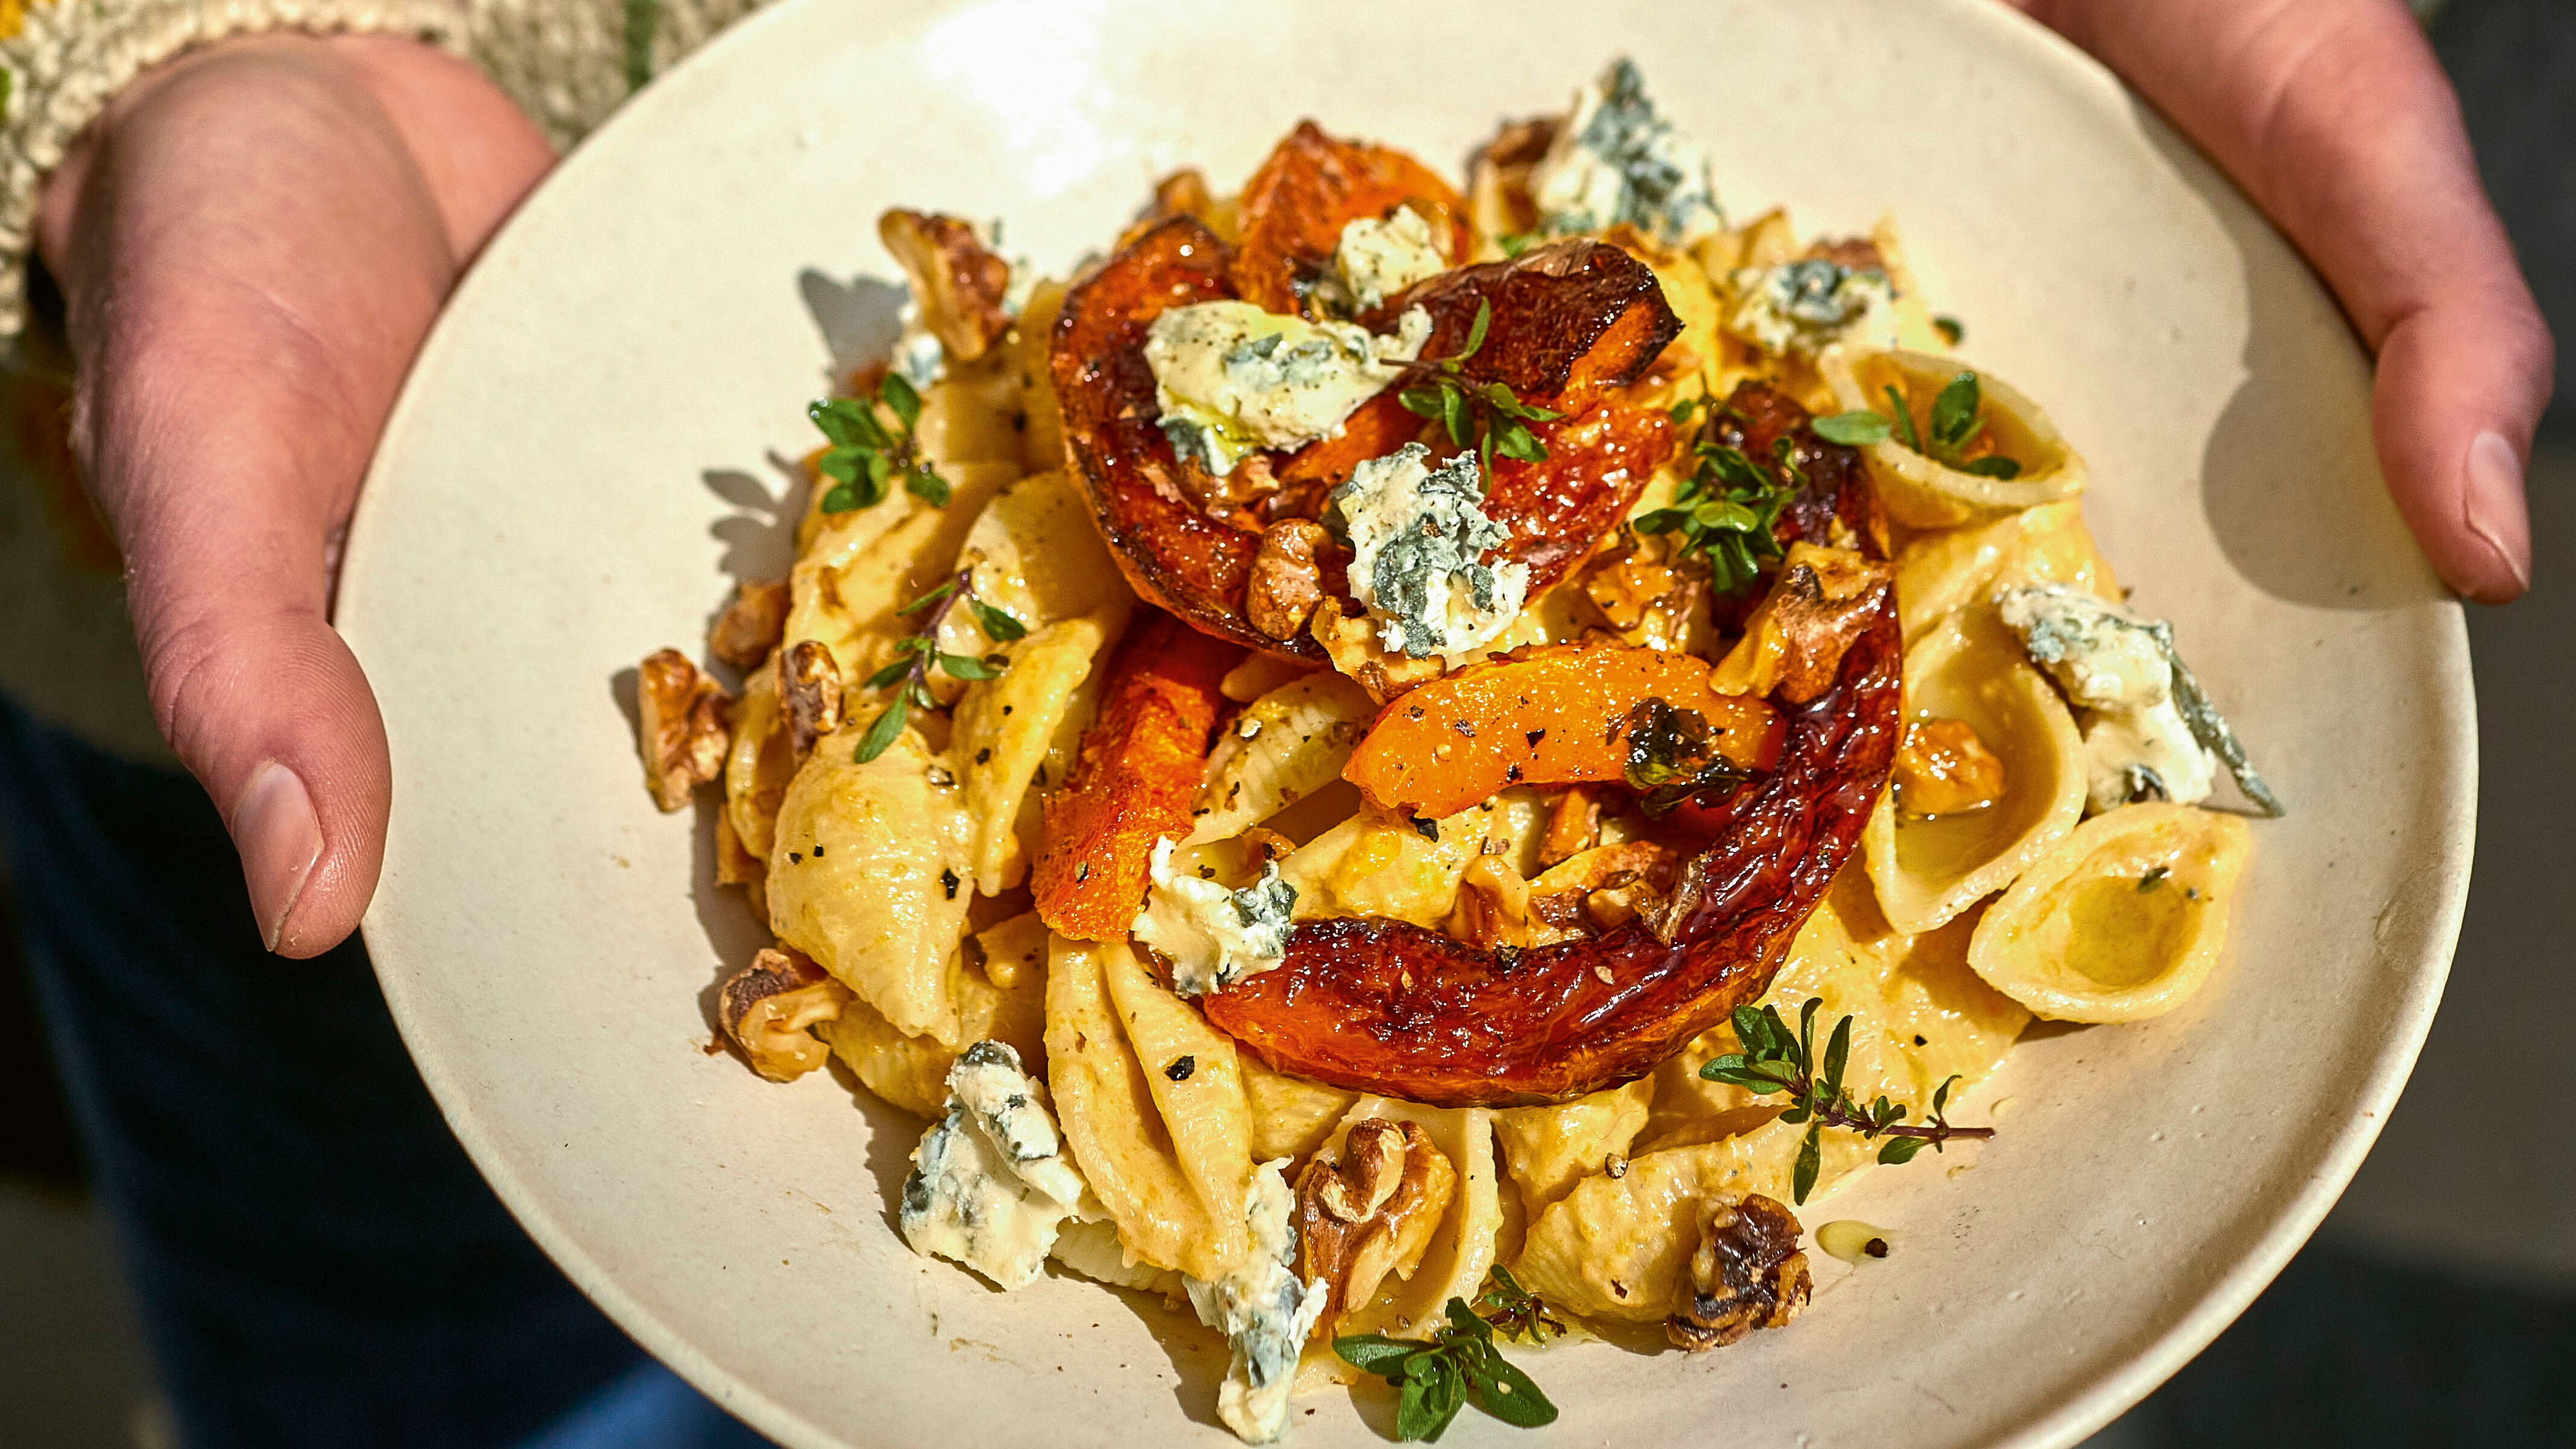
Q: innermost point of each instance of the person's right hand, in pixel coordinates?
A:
(253, 241)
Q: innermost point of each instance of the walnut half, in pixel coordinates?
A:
(1369, 1211)
(766, 1007)
(683, 726)
(752, 625)
(809, 679)
(1285, 584)
(958, 282)
(1794, 643)
(1746, 1274)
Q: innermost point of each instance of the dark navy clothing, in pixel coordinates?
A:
(316, 1261)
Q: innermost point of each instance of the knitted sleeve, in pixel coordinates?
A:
(568, 63)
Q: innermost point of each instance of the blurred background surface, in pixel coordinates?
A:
(2437, 1306)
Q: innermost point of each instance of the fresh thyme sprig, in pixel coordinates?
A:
(1520, 1314)
(920, 650)
(866, 454)
(1725, 509)
(1957, 415)
(1774, 1060)
(1483, 415)
(1433, 1379)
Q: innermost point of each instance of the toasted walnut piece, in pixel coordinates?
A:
(1493, 908)
(1573, 826)
(1746, 1274)
(1943, 768)
(1852, 253)
(1794, 643)
(1499, 176)
(1648, 602)
(682, 726)
(1369, 1211)
(957, 282)
(752, 625)
(1285, 584)
(735, 865)
(1350, 641)
(809, 679)
(766, 1007)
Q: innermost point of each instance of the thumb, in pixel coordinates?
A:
(227, 568)
(2336, 117)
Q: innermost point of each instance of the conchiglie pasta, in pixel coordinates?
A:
(1287, 745)
(1547, 1149)
(1920, 1017)
(1940, 572)
(1922, 493)
(1006, 729)
(1147, 1168)
(758, 764)
(912, 1071)
(859, 567)
(867, 875)
(1615, 1247)
(1970, 669)
(2123, 921)
(1291, 1116)
(1409, 1303)
(1036, 554)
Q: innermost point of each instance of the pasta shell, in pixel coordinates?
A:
(867, 876)
(1284, 747)
(2122, 921)
(1947, 570)
(1922, 493)
(1548, 1149)
(1926, 871)
(1007, 729)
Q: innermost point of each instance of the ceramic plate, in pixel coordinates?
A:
(597, 438)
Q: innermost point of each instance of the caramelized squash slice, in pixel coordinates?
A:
(1551, 716)
(1312, 185)
(1569, 324)
(1134, 780)
(1385, 1006)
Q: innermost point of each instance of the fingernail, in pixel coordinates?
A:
(2492, 505)
(279, 838)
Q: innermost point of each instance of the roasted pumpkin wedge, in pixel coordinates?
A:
(1312, 185)
(1550, 716)
(1385, 1006)
(1568, 324)
(1134, 780)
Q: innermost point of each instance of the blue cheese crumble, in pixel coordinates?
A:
(991, 1184)
(1377, 259)
(1615, 160)
(1805, 307)
(1231, 378)
(2153, 734)
(1418, 538)
(1264, 1312)
(1214, 936)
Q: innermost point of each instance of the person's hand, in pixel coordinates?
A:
(253, 241)
(2335, 118)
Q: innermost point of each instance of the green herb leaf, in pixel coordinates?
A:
(1476, 329)
(1897, 1151)
(842, 499)
(1375, 1353)
(1507, 1393)
(1430, 1399)
(1423, 402)
(928, 599)
(1515, 243)
(926, 484)
(1454, 415)
(967, 666)
(897, 392)
(998, 624)
(1802, 1179)
(1904, 419)
(1837, 1052)
(1952, 330)
(881, 734)
(1855, 429)
(1993, 465)
(1954, 413)
(1514, 441)
(889, 674)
